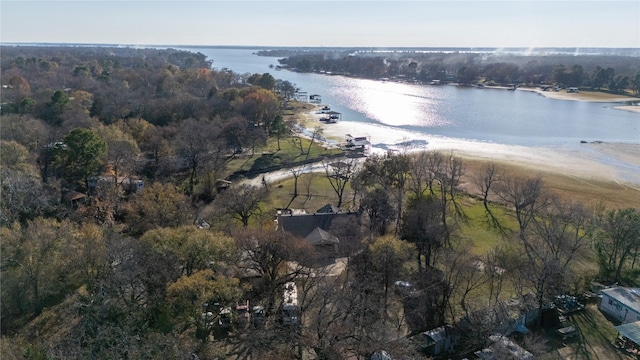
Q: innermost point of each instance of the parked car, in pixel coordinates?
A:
(224, 317)
(257, 316)
(403, 288)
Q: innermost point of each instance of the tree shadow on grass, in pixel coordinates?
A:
(593, 342)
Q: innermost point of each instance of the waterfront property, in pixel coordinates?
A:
(332, 117)
(360, 144)
(315, 99)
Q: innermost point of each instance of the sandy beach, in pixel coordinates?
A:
(612, 162)
(592, 96)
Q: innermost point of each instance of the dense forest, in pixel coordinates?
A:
(614, 73)
(124, 238)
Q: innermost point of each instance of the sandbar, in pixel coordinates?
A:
(627, 103)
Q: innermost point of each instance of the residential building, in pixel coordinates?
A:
(620, 303)
(314, 228)
(437, 341)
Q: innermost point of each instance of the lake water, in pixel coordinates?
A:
(577, 138)
(486, 115)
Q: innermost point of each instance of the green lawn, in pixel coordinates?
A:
(478, 229)
(289, 152)
(314, 191)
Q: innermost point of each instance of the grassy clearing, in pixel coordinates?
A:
(478, 230)
(314, 191)
(579, 189)
(289, 152)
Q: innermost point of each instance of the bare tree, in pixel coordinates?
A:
(451, 171)
(23, 196)
(277, 257)
(315, 135)
(256, 136)
(485, 179)
(390, 172)
(563, 229)
(242, 201)
(421, 225)
(295, 172)
(308, 180)
(550, 234)
(464, 272)
(339, 173)
(327, 326)
(434, 166)
(616, 237)
(296, 141)
(376, 205)
(347, 229)
(122, 149)
(234, 130)
(201, 146)
(526, 197)
(495, 274)
(421, 174)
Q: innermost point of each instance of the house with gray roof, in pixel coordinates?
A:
(437, 341)
(314, 228)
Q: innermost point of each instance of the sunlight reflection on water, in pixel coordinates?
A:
(391, 103)
(488, 122)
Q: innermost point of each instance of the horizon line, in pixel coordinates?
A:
(312, 46)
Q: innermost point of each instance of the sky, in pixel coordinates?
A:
(355, 23)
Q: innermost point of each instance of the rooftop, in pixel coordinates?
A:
(630, 297)
(631, 331)
(304, 224)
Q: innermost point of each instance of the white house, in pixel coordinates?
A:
(621, 303)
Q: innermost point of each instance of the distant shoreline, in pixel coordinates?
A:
(626, 51)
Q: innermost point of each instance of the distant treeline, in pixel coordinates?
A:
(614, 73)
